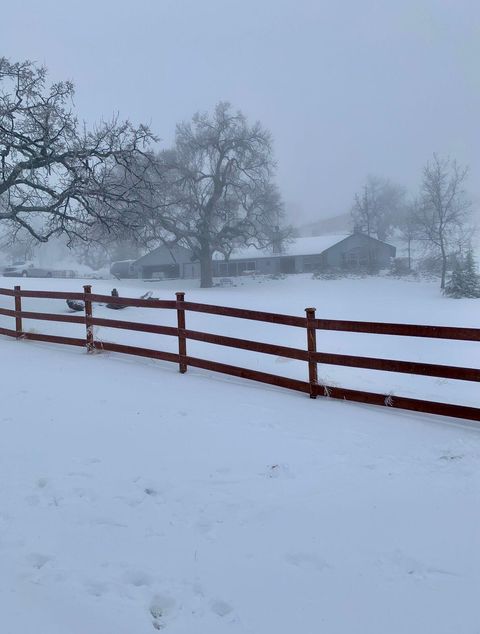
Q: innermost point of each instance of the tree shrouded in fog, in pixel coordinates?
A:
(443, 209)
(464, 280)
(222, 193)
(57, 177)
(378, 208)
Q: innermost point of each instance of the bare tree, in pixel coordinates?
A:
(57, 177)
(408, 228)
(444, 208)
(378, 208)
(18, 245)
(220, 194)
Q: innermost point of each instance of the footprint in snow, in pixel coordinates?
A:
(151, 492)
(448, 455)
(161, 609)
(42, 483)
(38, 561)
(278, 471)
(221, 608)
(401, 564)
(97, 588)
(137, 578)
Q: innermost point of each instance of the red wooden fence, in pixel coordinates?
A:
(310, 355)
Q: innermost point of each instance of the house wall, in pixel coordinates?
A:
(358, 251)
(355, 251)
(232, 268)
(190, 270)
(310, 263)
(168, 261)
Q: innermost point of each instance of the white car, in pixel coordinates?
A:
(26, 269)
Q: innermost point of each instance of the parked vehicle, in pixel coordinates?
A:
(25, 269)
(29, 269)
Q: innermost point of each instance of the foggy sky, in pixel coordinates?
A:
(348, 88)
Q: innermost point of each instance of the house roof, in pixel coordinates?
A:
(299, 246)
(165, 255)
(312, 245)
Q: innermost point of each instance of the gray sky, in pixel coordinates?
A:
(347, 87)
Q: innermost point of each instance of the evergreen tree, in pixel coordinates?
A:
(472, 278)
(464, 280)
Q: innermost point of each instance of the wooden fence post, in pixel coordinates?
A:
(88, 316)
(312, 347)
(182, 342)
(18, 310)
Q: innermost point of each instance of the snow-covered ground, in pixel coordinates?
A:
(135, 499)
(370, 299)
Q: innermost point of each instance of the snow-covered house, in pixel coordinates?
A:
(301, 255)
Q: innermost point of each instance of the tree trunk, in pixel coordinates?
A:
(444, 268)
(206, 269)
(409, 254)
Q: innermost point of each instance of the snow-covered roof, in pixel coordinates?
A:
(299, 246)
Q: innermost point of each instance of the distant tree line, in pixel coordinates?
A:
(438, 218)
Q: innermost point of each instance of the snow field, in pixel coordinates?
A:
(135, 499)
(369, 299)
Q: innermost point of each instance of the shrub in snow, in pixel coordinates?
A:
(400, 267)
(328, 274)
(464, 280)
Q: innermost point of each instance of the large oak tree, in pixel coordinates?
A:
(221, 193)
(56, 176)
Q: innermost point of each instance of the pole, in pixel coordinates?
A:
(18, 312)
(182, 342)
(312, 348)
(87, 290)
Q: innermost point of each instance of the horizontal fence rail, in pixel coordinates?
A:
(132, 301)
(407, 367)
(402, 330)
(246, 344)
(256, 315)
(309, 354)
(137, 326)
